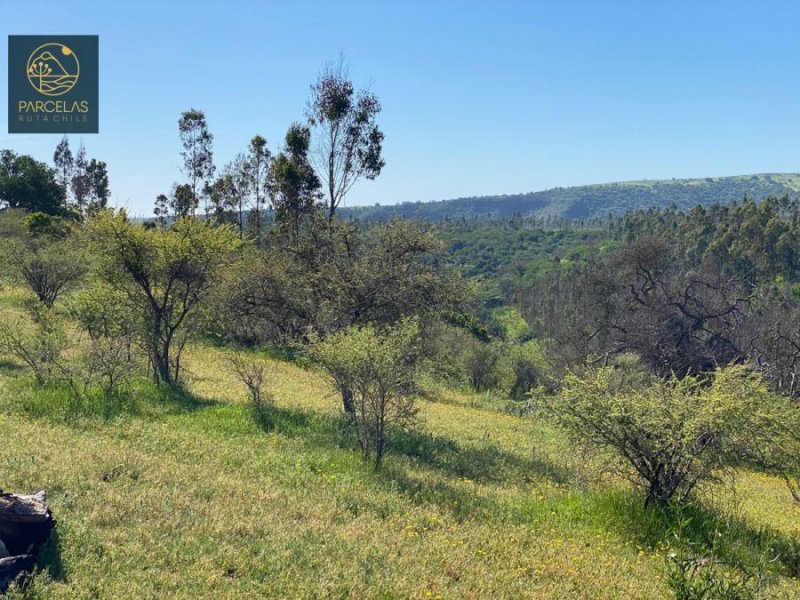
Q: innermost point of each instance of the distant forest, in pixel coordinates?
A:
(591, 201)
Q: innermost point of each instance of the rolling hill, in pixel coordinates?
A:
(592, 201)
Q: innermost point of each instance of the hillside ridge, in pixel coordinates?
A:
(592, 201)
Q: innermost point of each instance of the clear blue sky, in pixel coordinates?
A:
(478, 97)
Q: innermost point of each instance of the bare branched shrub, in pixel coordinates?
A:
(38, 343)
(252, 374)
(109, 361)
(47, 267)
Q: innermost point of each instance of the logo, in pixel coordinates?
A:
(53, 69)
(53, 84)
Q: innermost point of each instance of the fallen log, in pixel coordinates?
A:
(25, 526)
(11, 567)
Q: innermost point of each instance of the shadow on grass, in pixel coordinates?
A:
(462, 502)
(142, 399)
(49, 559)
(437, 455)
(288, 354)
(697, 526)
(8, 367)
(176, 399)
(480, 464)
(483, 464)
(317, 429)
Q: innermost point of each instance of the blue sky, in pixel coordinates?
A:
(478, 97)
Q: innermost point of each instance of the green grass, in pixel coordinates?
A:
(183, 494)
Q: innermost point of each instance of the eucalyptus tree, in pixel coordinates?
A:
(198, 154)
(80, 183)
(348, 143)
(64, 162)
(99, 190)
(292, 183)
(161, 209)
(258, 161)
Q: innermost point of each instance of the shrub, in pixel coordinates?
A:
(529, 370)
(109, 363)
(669, 435)
(378, 367)
(47, 267)
(483, 367)
(251, 374)
(38, 344)
(167, 277)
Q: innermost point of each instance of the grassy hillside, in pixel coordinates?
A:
(183, 495)
(593, 201)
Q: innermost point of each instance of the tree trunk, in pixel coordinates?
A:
(162, 371)
(25, 526)
(347, 402)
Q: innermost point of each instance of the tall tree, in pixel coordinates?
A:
(293, 186)
(198, 155)
(184, 201)
(64, 162)
(258, 160)
(240, 173)
(29, 184)
(229, 192)
(80, 183)
(347, 139)
(161, 209)
(99, 191)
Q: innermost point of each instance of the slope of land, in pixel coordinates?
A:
(184, 495)
(592, 201)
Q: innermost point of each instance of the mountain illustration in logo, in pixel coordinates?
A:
(53, 69)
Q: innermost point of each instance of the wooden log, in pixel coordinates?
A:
(24, 509)
(12, 567)
(25, 522)
(25, 526)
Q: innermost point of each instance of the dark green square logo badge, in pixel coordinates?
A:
(53, 83)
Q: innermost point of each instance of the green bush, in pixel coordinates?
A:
(668, 435)
(483, 364)
(39, 342)
(48, 267)
(376, 370)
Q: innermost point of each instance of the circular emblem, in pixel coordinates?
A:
(53, 69)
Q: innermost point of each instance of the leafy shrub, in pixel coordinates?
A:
(483, 367)
(48, 267)
(529, 370)
(167, 277)
(38, 343)
(110, 362)
(378, 367)
(668, 435)
(39, 223)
